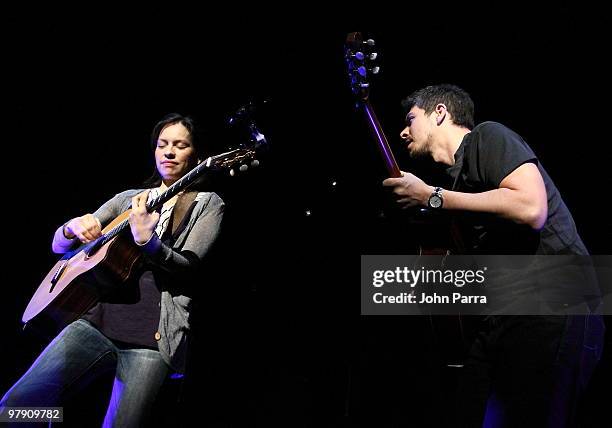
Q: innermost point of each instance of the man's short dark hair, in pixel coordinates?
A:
(457, 101)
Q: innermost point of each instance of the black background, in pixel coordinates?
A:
(280, 339)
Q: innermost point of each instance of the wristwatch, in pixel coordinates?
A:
(436, 201)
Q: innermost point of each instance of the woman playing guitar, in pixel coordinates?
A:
(150, 242)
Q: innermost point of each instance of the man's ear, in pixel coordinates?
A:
(441, 113)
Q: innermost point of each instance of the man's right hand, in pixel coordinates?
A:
(87, 228)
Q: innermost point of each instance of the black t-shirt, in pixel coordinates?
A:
(130, 316)
(488, 154)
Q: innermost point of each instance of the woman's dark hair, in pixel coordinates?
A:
(457, 102)
(170, 119)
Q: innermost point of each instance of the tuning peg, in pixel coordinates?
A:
(373, 55)
(359, 55)
(362, 71)
(232, 172)
(243, 168)
(370, 42)
(375, 70)
(254, 163)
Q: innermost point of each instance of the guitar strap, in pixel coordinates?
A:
(181, 212)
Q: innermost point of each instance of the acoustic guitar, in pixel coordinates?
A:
(81, 277)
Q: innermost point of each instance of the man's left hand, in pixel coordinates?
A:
(410, 190)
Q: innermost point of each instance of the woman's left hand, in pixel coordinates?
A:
(141, 222)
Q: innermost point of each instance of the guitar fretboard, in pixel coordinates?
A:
(179, 185)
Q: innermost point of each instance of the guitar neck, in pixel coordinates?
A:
(179, 185)
(221, 161)
(381, 140)
(185, 181)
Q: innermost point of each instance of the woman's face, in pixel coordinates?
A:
(174, 154)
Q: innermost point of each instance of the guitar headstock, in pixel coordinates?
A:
(360, 60)
(235, 160)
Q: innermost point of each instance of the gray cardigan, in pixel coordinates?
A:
(195, 241)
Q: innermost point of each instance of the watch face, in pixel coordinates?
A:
(435, 201)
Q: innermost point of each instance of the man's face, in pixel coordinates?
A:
(174, 155)
(418, 132)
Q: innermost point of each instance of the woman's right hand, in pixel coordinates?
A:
(87, 228)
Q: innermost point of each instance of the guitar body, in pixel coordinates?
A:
(82, 281)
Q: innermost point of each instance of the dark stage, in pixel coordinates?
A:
(278, 337)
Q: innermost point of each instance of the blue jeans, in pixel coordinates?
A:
(75, 357)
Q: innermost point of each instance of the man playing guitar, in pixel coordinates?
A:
(521, 370)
